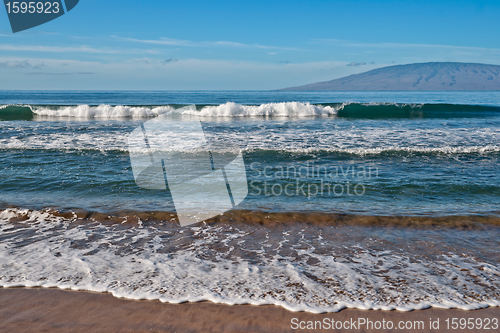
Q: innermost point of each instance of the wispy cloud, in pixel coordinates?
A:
(161, 41)
(21, 64)
(58, 74)
(154, 73)
(168, 61)
(405, 53)
(187, 43)
(356, 64)
(31, 32)
(70, 49)
(348, 43)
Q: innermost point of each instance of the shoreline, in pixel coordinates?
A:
(261, 217)
(56, 310)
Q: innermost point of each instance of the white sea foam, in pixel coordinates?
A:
(308, 137)
(288, 109)
(102, 111)
(400, 105)
(445, 150)
(205, 263)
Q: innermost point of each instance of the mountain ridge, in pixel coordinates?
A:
(429, 76)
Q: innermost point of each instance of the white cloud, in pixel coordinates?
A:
(405, 53)
(21, 64)
(356, 64)
(169, 60)
(347, 43)
(62, 49)
(59, 73)
(161, 41)
(188, 43)
(153, 74)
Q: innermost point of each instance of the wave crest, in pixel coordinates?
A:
(102, 111)
(229, 109)
(347, 110)
(287, 109)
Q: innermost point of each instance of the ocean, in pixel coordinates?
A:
(369, 200)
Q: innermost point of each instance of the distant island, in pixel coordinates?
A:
(431, 76)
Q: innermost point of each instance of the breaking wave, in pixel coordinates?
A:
(230, 109)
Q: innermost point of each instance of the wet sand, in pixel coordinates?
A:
(54, 310)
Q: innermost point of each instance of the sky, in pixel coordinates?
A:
(240, 45)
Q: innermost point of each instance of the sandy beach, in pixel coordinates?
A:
(54, 310)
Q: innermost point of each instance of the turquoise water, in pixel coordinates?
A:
(381, 153)
(361, 200)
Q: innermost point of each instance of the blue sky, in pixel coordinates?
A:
(158, 45)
